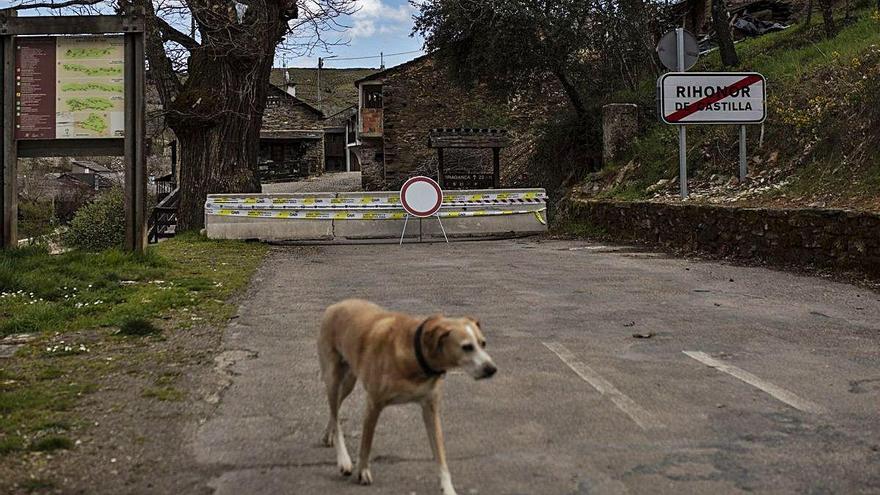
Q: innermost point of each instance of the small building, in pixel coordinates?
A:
(291, 139)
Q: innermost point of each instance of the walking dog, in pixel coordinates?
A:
(398, 359)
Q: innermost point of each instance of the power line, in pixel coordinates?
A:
(373, 56)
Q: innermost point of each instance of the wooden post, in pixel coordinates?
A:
(9, 162)
(440, 174)
(496, 167)
(135, 170)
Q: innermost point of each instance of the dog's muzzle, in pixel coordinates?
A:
(488, 370)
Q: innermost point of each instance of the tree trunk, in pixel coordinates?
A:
(721, 22)
(696, 14)
(571, 92)
(217, 120)
(809, 18)
(828, 18)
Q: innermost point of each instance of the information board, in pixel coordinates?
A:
(69, 87)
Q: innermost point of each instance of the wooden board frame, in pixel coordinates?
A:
(465, 138)
(132, 147)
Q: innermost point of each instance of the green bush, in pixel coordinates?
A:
(35, 218)
(100, 224)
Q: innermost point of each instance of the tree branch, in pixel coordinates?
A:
(53, 5)
(170, 33)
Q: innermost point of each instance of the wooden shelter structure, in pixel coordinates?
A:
(467, 138)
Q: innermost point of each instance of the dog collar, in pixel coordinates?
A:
(420, 356)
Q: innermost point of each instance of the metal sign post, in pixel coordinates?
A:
(682, 131)
(712, 98)
(742, 153)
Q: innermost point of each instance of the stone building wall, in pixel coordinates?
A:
(797, 237)
(418, 96)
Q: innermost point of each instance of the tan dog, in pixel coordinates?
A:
(398, 359)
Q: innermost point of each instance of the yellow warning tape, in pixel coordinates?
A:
(448, 197)
(331, 214)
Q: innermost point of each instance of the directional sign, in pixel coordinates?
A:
(712, 98)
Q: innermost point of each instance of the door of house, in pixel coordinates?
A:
(334, 152)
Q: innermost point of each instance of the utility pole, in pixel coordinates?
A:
(320, 92)
(320, 95)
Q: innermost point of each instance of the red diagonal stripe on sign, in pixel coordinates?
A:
(720, 95)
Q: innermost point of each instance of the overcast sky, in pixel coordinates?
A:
(378, 26)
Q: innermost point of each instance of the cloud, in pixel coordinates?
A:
(378, 17)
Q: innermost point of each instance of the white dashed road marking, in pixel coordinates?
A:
(778, 393)
(640, 416)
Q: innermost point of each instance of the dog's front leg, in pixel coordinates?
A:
(371, 416)
(431, 415)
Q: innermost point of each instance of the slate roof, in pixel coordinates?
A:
(338, 91)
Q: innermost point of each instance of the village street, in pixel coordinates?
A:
(621, 371)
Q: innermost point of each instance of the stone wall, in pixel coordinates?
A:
(797, 237)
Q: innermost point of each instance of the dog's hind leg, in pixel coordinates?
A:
(431, 416)
(334, 372)
(371, 416)
(348, 382)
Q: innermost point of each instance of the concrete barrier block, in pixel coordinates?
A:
(268, 229)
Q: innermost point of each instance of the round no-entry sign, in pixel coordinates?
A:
(421, 196)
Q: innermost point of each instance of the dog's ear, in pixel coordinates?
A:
(435, 332)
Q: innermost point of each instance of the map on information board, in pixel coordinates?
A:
(70, 87)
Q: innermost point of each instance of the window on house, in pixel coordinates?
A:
(373, 96)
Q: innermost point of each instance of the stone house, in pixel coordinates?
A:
(333, 94)
(292, 137)
(398, 107)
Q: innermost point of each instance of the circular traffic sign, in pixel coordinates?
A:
(667, 50)
(421, 196)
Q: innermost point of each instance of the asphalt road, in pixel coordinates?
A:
(752, 380)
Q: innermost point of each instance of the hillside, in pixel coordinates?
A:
(821, 140)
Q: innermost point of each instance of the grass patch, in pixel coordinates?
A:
(137, 327)
(166, 393)
(74, 301)
(52, 442)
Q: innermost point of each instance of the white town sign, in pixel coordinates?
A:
(712, 98)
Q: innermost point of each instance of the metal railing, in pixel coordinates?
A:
(163, 220)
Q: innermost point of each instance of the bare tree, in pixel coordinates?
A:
(721, 22)
(210, 61)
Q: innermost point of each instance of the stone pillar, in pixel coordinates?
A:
(620, 125)
(372, 165)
